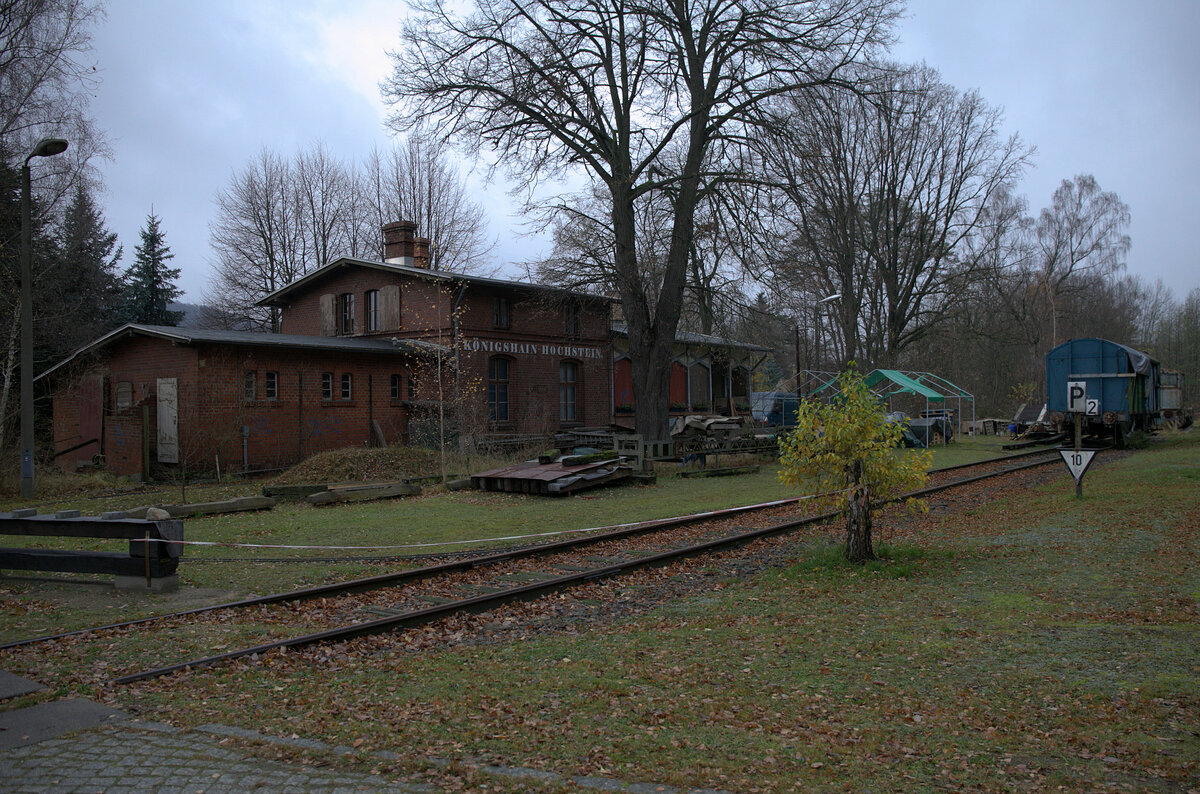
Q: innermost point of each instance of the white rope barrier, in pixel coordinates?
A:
(608, 528)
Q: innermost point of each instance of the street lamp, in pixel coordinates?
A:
(46, 147)
(817, 331)
(811, 359)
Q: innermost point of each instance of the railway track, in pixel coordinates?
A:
(415, 597)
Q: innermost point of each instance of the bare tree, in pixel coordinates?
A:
(1157, 303)
(816, 160)
(44, 80)
(278, 220)
(415, 181)
(581, 258)
(324, 189)
(886, 190)
(259, 240)
(645, 98)
(1035, 288)
(1081, 240)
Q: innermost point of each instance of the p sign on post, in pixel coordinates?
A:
(1077, 461)
(1077, 396)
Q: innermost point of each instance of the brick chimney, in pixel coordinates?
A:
(421, 252)
(398, 242)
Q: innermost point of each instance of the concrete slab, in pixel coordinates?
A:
(12, 686)
(48, 720)
(158, 584)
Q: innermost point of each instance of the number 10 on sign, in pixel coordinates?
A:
(1077, 461)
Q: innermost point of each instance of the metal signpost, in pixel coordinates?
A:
(1078, 459)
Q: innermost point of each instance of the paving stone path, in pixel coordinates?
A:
(148, 757)
(77, 745)
(125, 755)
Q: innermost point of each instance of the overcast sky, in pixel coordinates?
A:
(191, 91)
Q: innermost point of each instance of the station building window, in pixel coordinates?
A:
(326, 385)
(571, 324)
(395, 387)
(372, 309)
(124, 395)
(346, 312)
(497, 388)
(249, 385)
(500, 312)
(271, 386)
(568, 382)
(347, 386)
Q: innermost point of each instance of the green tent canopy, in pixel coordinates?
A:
(900, 383)
(887, 383)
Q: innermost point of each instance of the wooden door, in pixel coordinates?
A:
(168, 420)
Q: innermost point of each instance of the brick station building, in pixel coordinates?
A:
(356, 362)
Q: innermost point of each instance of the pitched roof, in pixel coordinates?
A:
(190, 336)
(276, 297)
(692, 338)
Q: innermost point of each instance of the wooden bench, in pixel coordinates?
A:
(153, 563)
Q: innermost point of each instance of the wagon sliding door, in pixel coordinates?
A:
(168, 420)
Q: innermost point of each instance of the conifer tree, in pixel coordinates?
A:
(149, 283)
(83, 286)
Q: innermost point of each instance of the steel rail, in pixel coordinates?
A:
(529, 592)
(400, 577)
(425, 572)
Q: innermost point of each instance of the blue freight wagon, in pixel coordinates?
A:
(1121, 385)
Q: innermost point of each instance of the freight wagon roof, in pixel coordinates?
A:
(191, 336)
(1142, 363)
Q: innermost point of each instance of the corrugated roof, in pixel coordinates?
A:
(275, 298)
(188, 336)
(691, 338)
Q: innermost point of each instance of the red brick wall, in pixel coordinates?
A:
(536, 345)
(424, 305)
(66, 421)
(123, 444)
(139, 361)
(212, 410)
(300, 421)
(535, 341)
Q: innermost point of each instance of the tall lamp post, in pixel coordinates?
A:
(809, 356)
(818, 335)
(46, 147)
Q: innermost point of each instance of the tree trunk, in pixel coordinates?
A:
(9, 381)
(651, 331)
(858, 517)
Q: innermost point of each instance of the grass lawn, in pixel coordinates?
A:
(422, 522)
(1037, 643)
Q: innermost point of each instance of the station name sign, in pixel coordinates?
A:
(531, 348)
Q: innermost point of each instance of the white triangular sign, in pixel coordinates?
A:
(1077, 461)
